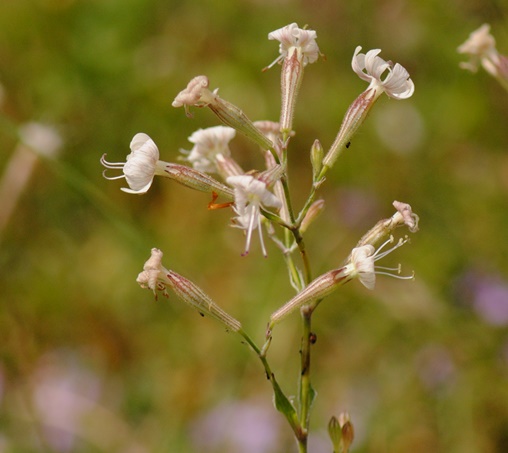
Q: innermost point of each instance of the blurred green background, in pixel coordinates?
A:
(90, 363)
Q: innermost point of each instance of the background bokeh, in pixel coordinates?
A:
(89, 362)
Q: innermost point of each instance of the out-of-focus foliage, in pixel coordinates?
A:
(89, 362)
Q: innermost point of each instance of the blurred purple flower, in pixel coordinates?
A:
(238, 426)
(487, 295)
(63, 393)
(435, 366)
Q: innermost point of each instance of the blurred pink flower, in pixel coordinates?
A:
(238, 426)
(486, 294)
(63, 393)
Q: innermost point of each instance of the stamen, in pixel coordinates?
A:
(400, 243)
(113, 165)
(395, 269)
(252, 215)
(111, 178)
(400, 277)
(279, 58)
(263, 249)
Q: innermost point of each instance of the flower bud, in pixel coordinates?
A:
(341, 433)
(316, 159)
(313, 213)
(348, 432)
(335, 433)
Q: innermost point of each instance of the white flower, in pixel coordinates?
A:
(361, 263)
(292, 37)
(297, 48)
(250, 196)
(141, 165)
(208, 144)
(481, 48)
(371, 68)
(195, 93)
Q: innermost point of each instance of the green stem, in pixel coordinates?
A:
(282, 403)
(306, 392)
(305, 258)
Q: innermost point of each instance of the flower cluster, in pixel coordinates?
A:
(260, 198)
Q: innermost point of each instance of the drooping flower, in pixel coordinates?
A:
(297, 48)
(211, 153)
(140, 167)
(383, 77)
(157, 278)
(198, 94)
(385, 227)
(251, 195)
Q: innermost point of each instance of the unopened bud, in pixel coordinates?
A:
(335, 433)
(313, 213)
(316, 159)
(341, 433)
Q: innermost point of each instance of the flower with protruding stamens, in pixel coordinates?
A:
(141, 165)
(251, 195)
(371, 68)
(360, 265)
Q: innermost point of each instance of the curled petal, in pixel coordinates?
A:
(192, 94)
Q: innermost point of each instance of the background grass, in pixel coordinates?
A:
(89, 362)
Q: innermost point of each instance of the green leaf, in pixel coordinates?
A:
(283, 405)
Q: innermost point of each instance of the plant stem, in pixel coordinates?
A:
(282, 403)
(306, 392)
